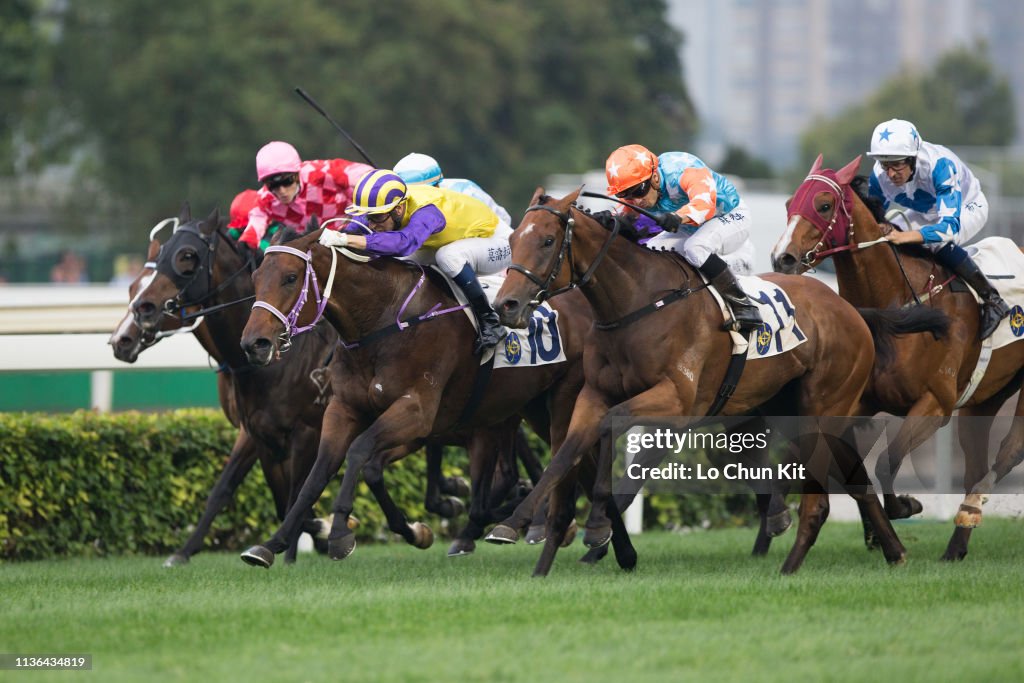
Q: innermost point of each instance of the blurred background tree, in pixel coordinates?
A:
(961, 101)
(159, 102)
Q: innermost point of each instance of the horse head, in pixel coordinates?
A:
(282, 284)
(540, 247)
(128, 339)
(820, 218)
(184, 270)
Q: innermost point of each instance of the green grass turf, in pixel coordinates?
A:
(697, 608)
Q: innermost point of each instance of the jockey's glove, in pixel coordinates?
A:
(668, 221)
(333, 238)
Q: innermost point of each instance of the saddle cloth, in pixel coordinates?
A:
(779, 332)
(539, 344)
(1003, 264)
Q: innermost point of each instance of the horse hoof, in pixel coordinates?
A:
(423, 535)
(776, 525)
(595, 538)
(340, 548)
(451, 507)
(502, 534)
(459, 548)
(176, 560)
(454, 486)
(904, 508)
(258, 556)
(898, 560)
(594, 555)
(968, 517)
(536, 534)
(570, 535)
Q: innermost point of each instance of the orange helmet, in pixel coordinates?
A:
(628, 166)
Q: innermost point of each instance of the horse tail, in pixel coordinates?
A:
(886, 323)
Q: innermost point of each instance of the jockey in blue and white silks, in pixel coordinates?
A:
(421, 169)
(934, 200)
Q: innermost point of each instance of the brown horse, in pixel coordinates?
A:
(404, 372)
(672, 362)
(200, 275)
(928, 376)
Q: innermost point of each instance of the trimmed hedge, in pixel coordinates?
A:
(91, 484)
(94, 484)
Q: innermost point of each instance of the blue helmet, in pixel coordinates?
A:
(419, 169)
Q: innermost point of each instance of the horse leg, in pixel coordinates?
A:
(339, 429)
(418, 534)
(403, 422)
(661, 400)
(922, 421)
(859, 487)
(561, 513)
(449, 507)
(812, 514)
(244, 454)
(582, 435)
(484, 447)
(531, 463)
(303, 441)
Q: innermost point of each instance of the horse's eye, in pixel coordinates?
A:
(549, 241)
(825, 207)
(291, 278)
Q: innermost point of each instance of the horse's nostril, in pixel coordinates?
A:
(509, 305)
(125, 342)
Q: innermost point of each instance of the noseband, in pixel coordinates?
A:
(568, 222)
(290, 321)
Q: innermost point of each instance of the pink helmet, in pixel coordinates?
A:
(276, 157)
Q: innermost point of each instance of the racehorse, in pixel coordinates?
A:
(828, 216)
(673, 362)
(199, 267)
(404, 371)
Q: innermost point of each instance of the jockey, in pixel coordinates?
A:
(420, 169)
(934, 200)
(455, 231)
(684, 193)
(294, 190)
(244, 202)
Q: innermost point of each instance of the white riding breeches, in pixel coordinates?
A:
(727, 235)
(485, 255)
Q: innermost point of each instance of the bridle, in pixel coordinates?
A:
(194, 289)
(837, 235)
(564, 253)
(290, 321)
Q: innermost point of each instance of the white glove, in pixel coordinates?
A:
(333, 238)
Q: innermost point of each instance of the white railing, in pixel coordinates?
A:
(62, 328)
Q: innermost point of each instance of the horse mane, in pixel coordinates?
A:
(877, 209)
(874, 204)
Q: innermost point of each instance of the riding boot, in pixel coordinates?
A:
(745, 312)
(491, 329)
(993, 307)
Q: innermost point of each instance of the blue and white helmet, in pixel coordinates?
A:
(419, 169)
(893, 140)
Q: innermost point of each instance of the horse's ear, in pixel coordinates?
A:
(847, 173)
(572, 197)
(212, 221)
(185, 215)
(816, 167)
(537, 194)
(312, 224)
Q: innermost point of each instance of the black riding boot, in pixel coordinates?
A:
(491, 329)
(993, 308)
(745, 311)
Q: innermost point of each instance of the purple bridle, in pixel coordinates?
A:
(290, 321)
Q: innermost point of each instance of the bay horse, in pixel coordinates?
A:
(829, 216)
(404, 372)
(673, 362)
(249, 396)
(200, 267)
